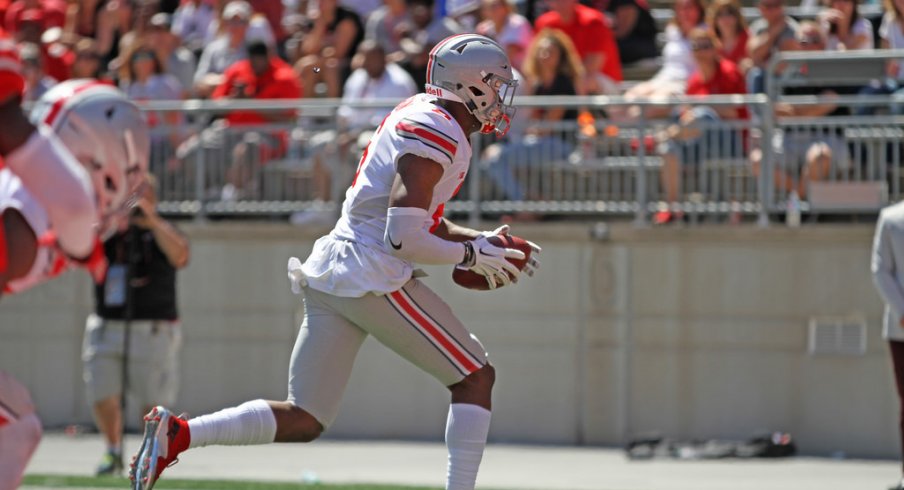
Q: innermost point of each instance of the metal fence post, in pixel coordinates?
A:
(200, 170)
(474, 181)
(640, 215)
(767, 166)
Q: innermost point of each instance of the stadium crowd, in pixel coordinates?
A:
(365, 49)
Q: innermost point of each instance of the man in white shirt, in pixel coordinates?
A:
(376, 79)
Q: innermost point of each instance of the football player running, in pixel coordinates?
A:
(360, 278)
(63, 182)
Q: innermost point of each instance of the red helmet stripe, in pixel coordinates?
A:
(61, 102)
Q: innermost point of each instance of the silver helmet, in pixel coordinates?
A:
(474, 70)
(107, 133)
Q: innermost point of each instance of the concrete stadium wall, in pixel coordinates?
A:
(688, 332)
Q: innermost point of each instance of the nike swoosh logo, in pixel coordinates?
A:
(397, 247)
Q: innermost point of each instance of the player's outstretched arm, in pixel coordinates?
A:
(53, 176)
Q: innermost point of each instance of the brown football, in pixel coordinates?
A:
(472, 280)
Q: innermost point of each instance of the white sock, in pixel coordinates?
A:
(466, 437)
(249, 423)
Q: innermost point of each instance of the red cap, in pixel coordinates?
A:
(31, 15)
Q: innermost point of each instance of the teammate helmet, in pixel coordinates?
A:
(107, 133)
(474, 70)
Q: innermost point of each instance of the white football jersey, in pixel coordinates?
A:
(48, 262)
(353, 260)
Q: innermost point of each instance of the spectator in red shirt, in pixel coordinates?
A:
(53, 13)
(56, 58)
(700, 134)
(725, 19)
(262, 76)
(590, 32)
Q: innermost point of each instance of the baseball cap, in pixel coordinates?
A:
(237, 8)
(32, 15)
(162, 20)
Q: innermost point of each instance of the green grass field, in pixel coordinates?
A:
(87, 482)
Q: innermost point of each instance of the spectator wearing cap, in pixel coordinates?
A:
(226, 50)
(190, 21)
(177, 60)
(51, 12)
(258, 27)
(87, 59)
(272, 11)
(510, 29)
(327, 49)
(590, 32)
(56, 58)
(37, 82)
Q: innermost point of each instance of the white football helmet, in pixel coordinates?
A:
(474, 70)
(107, 133)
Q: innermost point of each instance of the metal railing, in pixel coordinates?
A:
(615, 166)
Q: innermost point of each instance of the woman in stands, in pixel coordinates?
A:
(142, 78)
(725, 20)
(552, 67)
(845, 28)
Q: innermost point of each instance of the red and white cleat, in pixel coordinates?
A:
(165, 436)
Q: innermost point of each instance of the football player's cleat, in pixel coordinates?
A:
(165, 436)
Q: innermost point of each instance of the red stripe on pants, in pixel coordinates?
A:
(434, 333)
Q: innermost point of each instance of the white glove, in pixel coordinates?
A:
(534, 263)
(492, 262)
(502, 230)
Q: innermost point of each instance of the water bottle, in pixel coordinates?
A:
(792, 217)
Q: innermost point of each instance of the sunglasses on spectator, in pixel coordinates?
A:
(702, 45)
(809, 40)
(771, 5)
(726, 13)
(143, 55)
